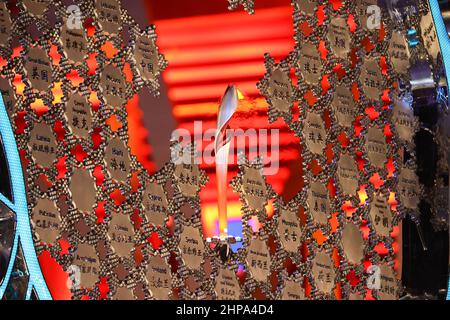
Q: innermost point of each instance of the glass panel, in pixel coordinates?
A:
(34, 295)
(18, 282)
(5, 181)
(7, 228)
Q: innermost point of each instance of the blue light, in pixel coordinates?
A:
(444, 42)
(19, 206)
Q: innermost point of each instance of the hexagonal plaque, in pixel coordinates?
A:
(8, 95)
(380, 215)
(38, 68)
(82, 188)
(344, 106)
(388, 284)
(254, 189)
(36, 8)
(307, 7)
(79, 115)
(366, 17)
(310, 63)
(409, 188)
(86, 259)
(5, 24)
(280, 90)
(46, 220)
(146, 55)
(43, 144)
(124, 294)
(118, 159)
(318, 202)
(74, 43)
(155, 204)
(353, 243)
(108, 13)
(429, 35)
(371, 78)
(289, 230)
(192, 247)
(258, 260)
(348, 174)
(292, 290)
(339, 36)
(399, 52)
(159, 278)
(113, 85)
(314, 133)
(376, 147)
(227, 285)
(121, 234)
(403, 118)
(323, 273)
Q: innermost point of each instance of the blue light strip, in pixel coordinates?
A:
(444, 42)
(23, 228)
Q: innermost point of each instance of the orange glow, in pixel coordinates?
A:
(208, 91)
(209, 109)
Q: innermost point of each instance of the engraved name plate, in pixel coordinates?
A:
(5, 24)
(314, 133)
(280, 90)
(429, 36)
(46, 220)
(38, 68)
(310, 63)
(8, 95)
(403, 118)
(348, 174)
(74, 43)
(254, 189)
(79, 115)
(123, 293)
(155, 204)
(108, 13)
(339, 37)
(118, 159)
(388, 284)
(36, 8)
(289, 230)
(293, 291)
(376, 147)
(353, 243)
(121, 234)
(307, 7)
(82, 188)
(380, 214)
(344, 106)
(318, 202)
(323, 272)
(113, 86)
(146, 56)
(408, 187)
(43, 144)
(159, 278)
(227, 285)
(192, 247)
(86, 259)
(258, 260)
(371, 78)
(187, 177)
(399, 52)
(366, 16)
